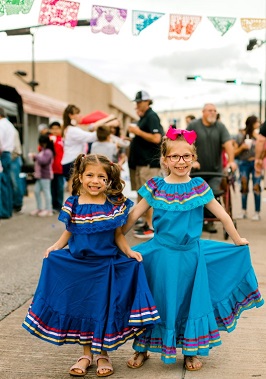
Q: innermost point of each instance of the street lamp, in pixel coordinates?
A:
(27, 31)
(232, 81)
(20, 74)
(21, 32)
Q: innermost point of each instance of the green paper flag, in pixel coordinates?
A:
(222, 24)
(2, 9)
(16, 6)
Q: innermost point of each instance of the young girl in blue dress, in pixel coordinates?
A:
(91, 293)
(199, 286)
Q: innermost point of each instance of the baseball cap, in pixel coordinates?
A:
(142, 96)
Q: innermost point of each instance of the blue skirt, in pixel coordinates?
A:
(199, 289)
(102, 301)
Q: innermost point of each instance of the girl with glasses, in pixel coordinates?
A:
(200, 286)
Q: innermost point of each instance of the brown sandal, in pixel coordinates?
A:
(135, 357)
(190, 359)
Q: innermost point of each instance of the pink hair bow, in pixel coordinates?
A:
(190, 136)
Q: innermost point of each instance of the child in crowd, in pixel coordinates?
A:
(43, 174)
(104, 145)
(91, 293)
(57, 184)
(122, 143)
(199, 286)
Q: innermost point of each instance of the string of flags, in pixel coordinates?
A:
(110, 20)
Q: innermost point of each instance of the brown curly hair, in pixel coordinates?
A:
(116, 185)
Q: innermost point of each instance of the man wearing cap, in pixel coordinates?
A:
(144, 155)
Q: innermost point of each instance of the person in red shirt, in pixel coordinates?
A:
(57, 184)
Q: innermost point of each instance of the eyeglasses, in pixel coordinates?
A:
(177, 158)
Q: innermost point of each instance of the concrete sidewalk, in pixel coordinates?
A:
(241, 355)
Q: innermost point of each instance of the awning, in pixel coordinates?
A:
(9, 107)
(93, 117)
(41, 105)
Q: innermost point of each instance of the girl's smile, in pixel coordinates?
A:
(94, 182)
(179, 161)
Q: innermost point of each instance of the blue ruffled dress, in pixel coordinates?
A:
(91, 293)
(199, 286)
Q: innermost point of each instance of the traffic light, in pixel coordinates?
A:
(252, 44)
(234, 81)
(196, 77)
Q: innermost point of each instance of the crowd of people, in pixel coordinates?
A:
(58, 146)
(243, 153)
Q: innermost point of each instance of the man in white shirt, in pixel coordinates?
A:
(7, 138)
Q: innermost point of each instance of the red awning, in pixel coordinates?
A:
(41, 105)
(93, 117)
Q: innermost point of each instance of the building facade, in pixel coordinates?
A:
(233, 115)
(59, 83)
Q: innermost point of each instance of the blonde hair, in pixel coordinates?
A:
(166, 145)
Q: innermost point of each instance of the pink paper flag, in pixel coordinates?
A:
(182, 26)
(61, 12)
(249, 24)
(107, 20)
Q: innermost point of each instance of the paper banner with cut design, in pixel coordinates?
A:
(249, 24)
(222, 24)
(10, 7)
(107, 20)
(143, 19)
(182, 26)
(2, 9)
(61, 12)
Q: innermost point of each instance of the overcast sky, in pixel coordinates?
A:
(150, 61)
